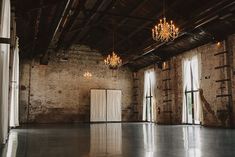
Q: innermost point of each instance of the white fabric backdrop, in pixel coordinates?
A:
(106, 105)
(98, 105)
(114, 105)
(4, 69)
(14, 101)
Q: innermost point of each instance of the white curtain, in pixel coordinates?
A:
(4, 69)
(192, 62)
(186, 85)
(114, 104)
(149, 86)
(106, 105)
(14, 101)
(196, 85)
(98, 106)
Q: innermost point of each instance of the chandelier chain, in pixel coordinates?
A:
(113, 61)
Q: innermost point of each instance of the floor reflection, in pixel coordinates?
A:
(10, 150)
(192, 141)
(149, 139)
(119, 140)
(106, 139)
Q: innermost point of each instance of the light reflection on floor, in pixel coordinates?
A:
(119, 140)
(106, 139)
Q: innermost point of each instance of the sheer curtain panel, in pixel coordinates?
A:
(98, 106)
(4, 69)
(14, 97)
(114, 104)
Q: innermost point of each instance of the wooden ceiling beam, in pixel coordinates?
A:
(104, 5)
(191, 26)
(61, 12)
(139, 6)
(70, 22)
(144, 25)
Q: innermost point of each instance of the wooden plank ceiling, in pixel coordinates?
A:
(58, 24)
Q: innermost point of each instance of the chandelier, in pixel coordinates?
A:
(87, 75)
(165, 31)
(113, 61)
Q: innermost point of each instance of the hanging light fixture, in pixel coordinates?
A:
(113, 61)
(164, 31)
(87, 75)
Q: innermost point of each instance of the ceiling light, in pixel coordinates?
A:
(164, 30)
(113, 61)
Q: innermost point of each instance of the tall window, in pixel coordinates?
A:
(149, 99)
(191, 100)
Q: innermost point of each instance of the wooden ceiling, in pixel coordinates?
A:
(58, 24)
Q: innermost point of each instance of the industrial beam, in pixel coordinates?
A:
(70, 22)
(191, 25)
(61, 11)
(105, 4)
(145, 24)
(139, 6)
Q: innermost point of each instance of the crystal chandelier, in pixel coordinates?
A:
(165, 31)
(113, 61)
(87, 75)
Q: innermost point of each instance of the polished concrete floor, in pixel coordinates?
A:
(119, 140)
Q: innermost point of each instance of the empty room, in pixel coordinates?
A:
(117, 78)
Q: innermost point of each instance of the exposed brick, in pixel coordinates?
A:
(60, 93)
(208, 83)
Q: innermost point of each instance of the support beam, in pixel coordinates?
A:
(140, 5)
(77, 9)
(193, 24)
(105, 4)
(144, 25)
(61, 11)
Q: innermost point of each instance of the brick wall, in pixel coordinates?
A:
(211, 88)
(58, 92)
